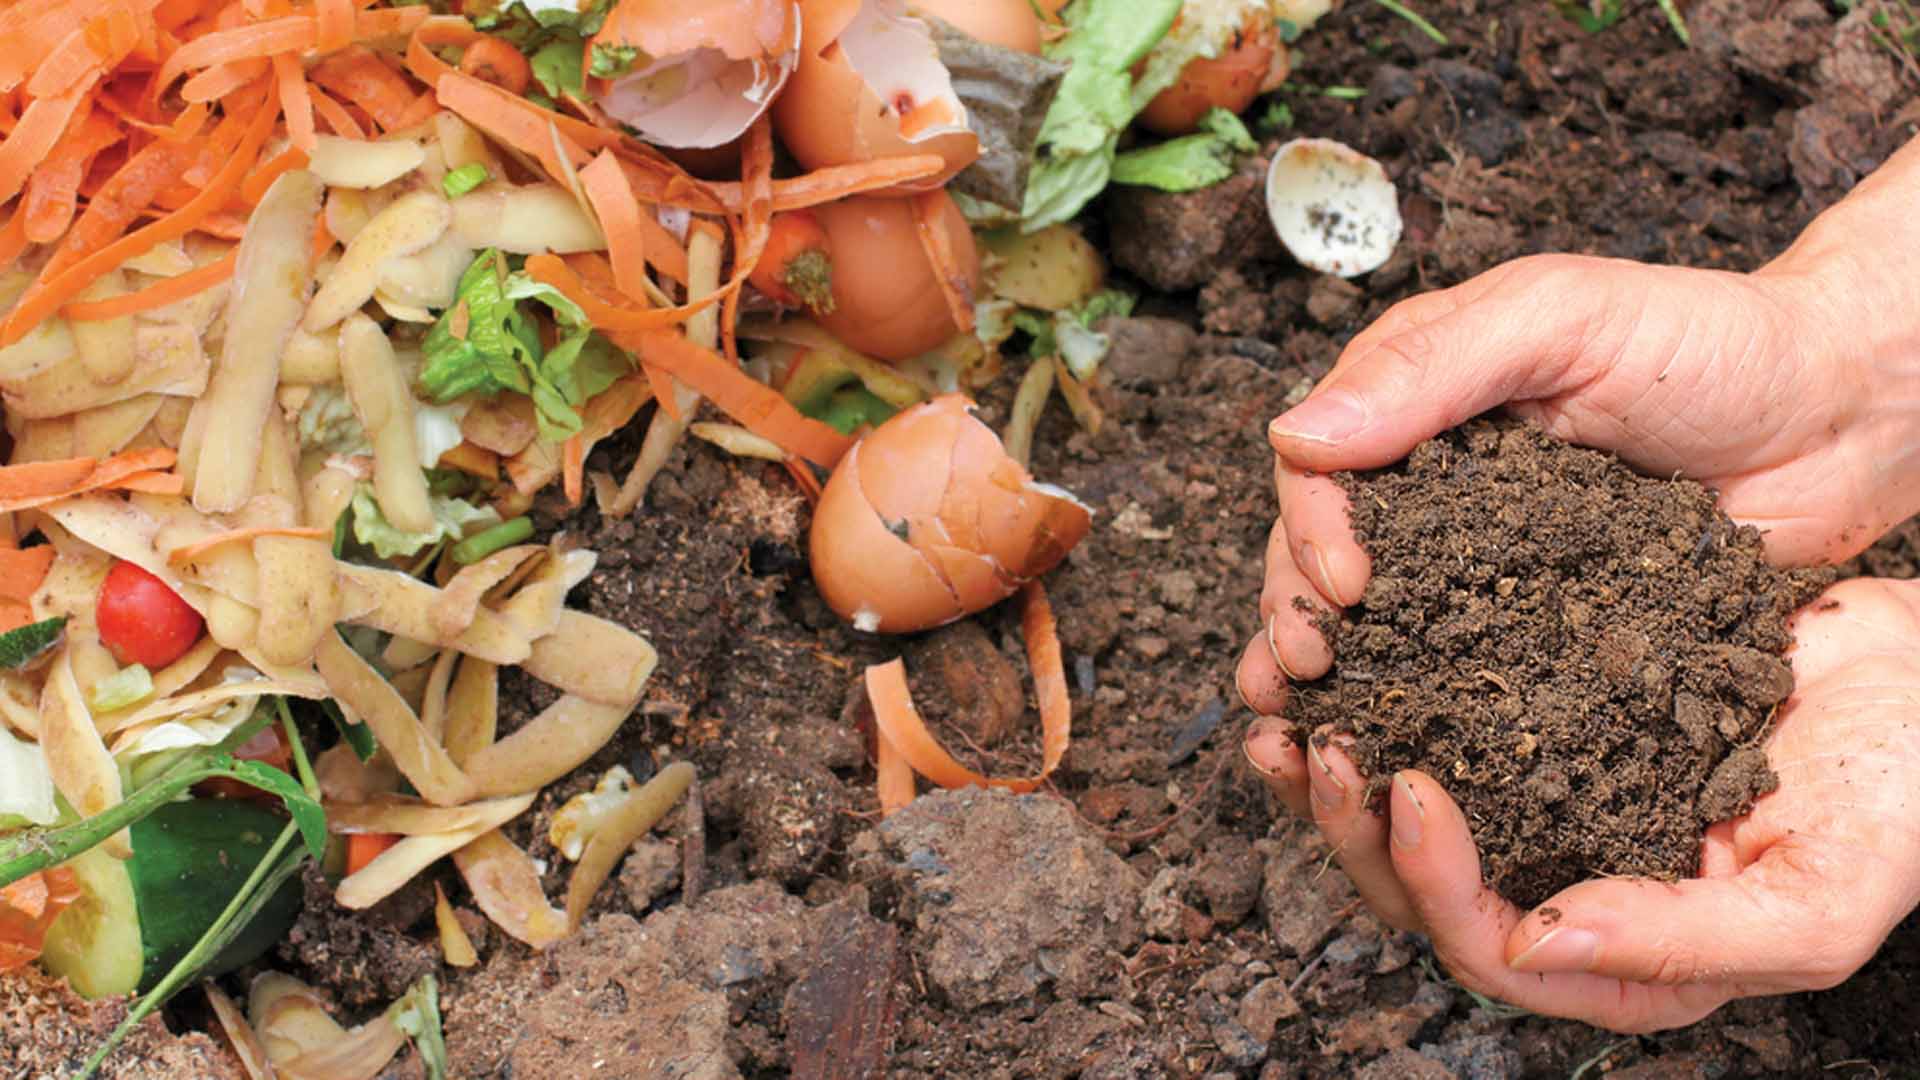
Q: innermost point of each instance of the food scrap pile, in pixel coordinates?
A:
(304, 302)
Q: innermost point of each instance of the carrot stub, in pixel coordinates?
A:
(27, 908)
(363, 848)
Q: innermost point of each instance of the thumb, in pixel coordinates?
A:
(1434, 361)
(1776, 926)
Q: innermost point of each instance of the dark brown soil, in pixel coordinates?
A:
(1587, 658)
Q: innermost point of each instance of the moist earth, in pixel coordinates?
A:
(1148, 913)
(1587, 658)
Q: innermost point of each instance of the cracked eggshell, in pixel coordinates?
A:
(1332, 206)
(713, 68)
(870, 85)
(927, 520)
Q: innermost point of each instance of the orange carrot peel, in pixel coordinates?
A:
(903, 737)
(27, 908)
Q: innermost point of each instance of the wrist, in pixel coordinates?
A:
(1846, 290)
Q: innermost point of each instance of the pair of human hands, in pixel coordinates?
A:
(1790, 391)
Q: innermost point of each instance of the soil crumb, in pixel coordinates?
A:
(1585, 657)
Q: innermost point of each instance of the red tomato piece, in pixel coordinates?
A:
(142, 621)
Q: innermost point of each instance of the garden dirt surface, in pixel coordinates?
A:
(1148, 912)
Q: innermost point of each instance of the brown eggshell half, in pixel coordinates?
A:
(1010, 24)
(927, 520)
(886, 301)
(743, 29)
(1229, 81)
(830, 114)
(867, 573)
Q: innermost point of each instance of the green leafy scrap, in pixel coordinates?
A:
(22, 645)
(612, 61)
(556, 67)
(305, 811)
(1095, 102)
(1189, 162)
(500, 348)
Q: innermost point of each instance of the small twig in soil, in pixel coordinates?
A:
(693, 844)
(1151, 831)
(1300, 980)
(1605, 1053)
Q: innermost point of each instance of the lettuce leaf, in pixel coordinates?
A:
(1104, 39)
(1191, 161)
(501, 348)
(453, 519)
(1100, 96)
(26, 786)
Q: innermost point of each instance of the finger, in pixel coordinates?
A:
(1438, 865)
(1358, 835)
(1259, 678)
(1779, 925)
(1270, 749)
(1290, 603)
(1319, 530)
(1433, 368)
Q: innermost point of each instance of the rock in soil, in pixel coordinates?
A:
(1005, 894)
(1584, 656)
(692, 992)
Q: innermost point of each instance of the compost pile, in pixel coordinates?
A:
(1588, 659)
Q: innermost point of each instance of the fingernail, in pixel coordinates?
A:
(1263, 732)
(1566, 949)
(1326, 788)
(1273, 646)
(1331, 416)
(1240, 692)
(1314, 562)
(1408, 827)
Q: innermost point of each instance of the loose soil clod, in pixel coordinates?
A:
(1587, 658)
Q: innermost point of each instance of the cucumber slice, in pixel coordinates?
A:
(138, 918)
(96, 942)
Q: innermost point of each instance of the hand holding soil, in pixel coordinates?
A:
(1794, 896)
(1781, 391)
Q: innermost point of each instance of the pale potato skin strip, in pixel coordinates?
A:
(271, 280)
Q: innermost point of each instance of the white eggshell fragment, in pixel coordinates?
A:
(1332, 206)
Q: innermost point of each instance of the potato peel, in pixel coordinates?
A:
(904, 734)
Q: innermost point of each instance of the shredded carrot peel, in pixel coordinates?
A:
(27, 908)
(903, 736)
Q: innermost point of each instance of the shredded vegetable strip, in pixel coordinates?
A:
(752, 404)
(927, 211)
(160, 294)
(39, 128)
(358, 77)
(295, 101)
(47, 296)
(23, 487)
(900, 724)
(613, 202)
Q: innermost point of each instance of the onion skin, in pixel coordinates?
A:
(927, 520)
(1229, 81)
(1010, 24)
(886, 301)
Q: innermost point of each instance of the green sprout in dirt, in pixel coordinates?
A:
(1416, 19)
(1594, 16)
(1895, 25)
